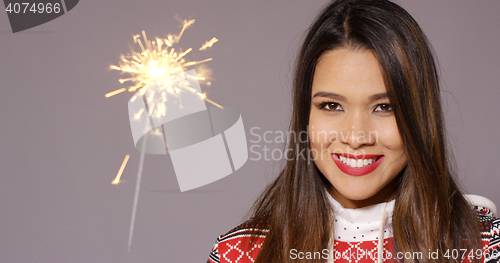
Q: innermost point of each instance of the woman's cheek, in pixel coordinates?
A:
(322, 136)
(387, 134)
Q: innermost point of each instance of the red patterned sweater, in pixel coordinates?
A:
(232, 247)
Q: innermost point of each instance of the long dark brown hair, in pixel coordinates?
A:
(430, 211)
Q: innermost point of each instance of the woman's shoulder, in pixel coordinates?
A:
(490, 233)
(240, 244)
(486, 212)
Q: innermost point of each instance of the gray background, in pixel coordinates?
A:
(62, 142)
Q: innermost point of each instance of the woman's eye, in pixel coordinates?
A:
(386, 107)
(330, 106)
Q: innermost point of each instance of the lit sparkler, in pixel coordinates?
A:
(157, 62)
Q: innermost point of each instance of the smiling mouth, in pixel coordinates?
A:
(357, 165)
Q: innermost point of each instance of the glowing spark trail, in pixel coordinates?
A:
(112, 93)
(119, 175)
(209, 43)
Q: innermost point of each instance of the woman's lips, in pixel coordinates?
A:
(369, 162)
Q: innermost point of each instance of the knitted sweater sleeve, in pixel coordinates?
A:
(242, 244)
(490, 234)
(214, 254)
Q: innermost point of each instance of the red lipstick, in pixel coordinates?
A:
(357, 171)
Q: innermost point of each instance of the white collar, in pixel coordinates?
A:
(361, 224)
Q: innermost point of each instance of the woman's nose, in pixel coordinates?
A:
(356, 131)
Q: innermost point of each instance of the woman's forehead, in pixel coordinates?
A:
(350, 71)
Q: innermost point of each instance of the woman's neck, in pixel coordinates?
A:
(386, 194)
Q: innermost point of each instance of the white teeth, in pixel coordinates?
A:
(356, 163)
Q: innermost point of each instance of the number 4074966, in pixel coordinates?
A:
(23, 8)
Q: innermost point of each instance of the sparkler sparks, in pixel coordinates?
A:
(119, 175)
(158, 62)
(209, 43)
(112, 93)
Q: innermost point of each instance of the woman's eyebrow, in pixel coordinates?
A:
(378, 96)
(336, 96)
(330, 95)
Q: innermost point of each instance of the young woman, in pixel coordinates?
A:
(376, 184)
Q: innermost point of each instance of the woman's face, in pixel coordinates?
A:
(354, 138)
